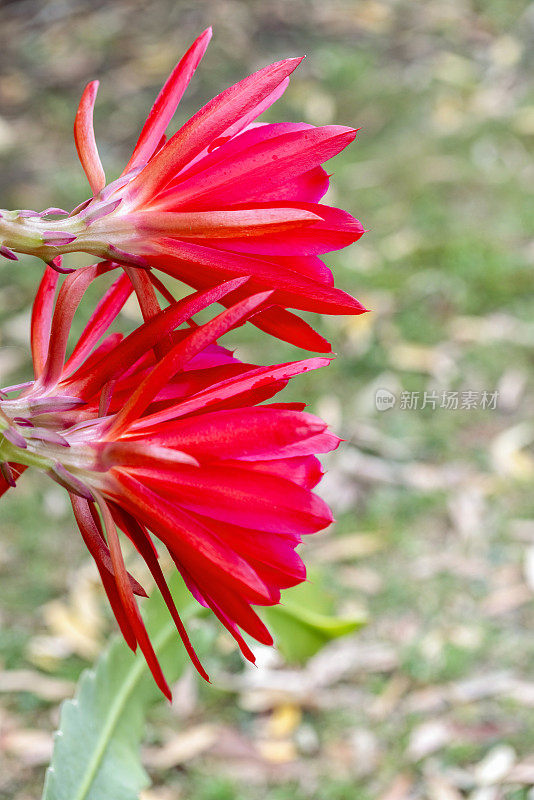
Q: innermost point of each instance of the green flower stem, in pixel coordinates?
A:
(26, 235)
(9, 452)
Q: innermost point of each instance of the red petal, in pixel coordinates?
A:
(245, 497)
(85, 522)
(101, 318)
(307, 471)
(206, 600)
(167, 101)
(289, 328)
(244, 433)
(42, 318)
(16, 472)
(143, 543)
(193, 544)
(84, 138)
(331, 230)
(211, 121)
(128, 600)
(180, 354)
(228, 224)
(230, 388)
(296, 290)
(264, 165)
(69, 297)
(145, 337)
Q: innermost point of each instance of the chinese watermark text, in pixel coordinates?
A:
(450, 401)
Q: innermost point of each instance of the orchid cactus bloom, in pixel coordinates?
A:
(224, 197)
(174, 446)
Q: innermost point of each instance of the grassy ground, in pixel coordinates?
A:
(435, 532)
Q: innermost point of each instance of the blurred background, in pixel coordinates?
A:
(434, 542)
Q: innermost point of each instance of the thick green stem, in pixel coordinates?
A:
(45, 238)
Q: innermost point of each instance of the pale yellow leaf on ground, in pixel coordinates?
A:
(182, 747)
(25, 680)
(495, 765)
(32, 747)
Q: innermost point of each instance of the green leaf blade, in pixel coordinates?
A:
(303, 622)
(96, 749)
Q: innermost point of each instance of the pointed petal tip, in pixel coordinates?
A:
(290, 63)
(56, 265)
(259, 297)
(201, 671)
(236, 281)
(92, 88)
(7, 253)
(297, 60)
(84, 139)
(348, 133)
(90, 92)
(166, 691)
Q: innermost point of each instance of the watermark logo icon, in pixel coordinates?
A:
(384, 399)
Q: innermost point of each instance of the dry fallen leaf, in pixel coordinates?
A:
(400, 789)
(25, 680)
(528, 567)
(32, 747)
(438, 788)
(429, 737)
(182, 747)
(346, 548)
(506, 599)
(388, 700)
(161, 793)
(523, 773)
(283, 721)
(509, 454)
(495, 765)
(277, 751)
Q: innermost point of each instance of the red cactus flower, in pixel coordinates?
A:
(174, 446)
(224, 197)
